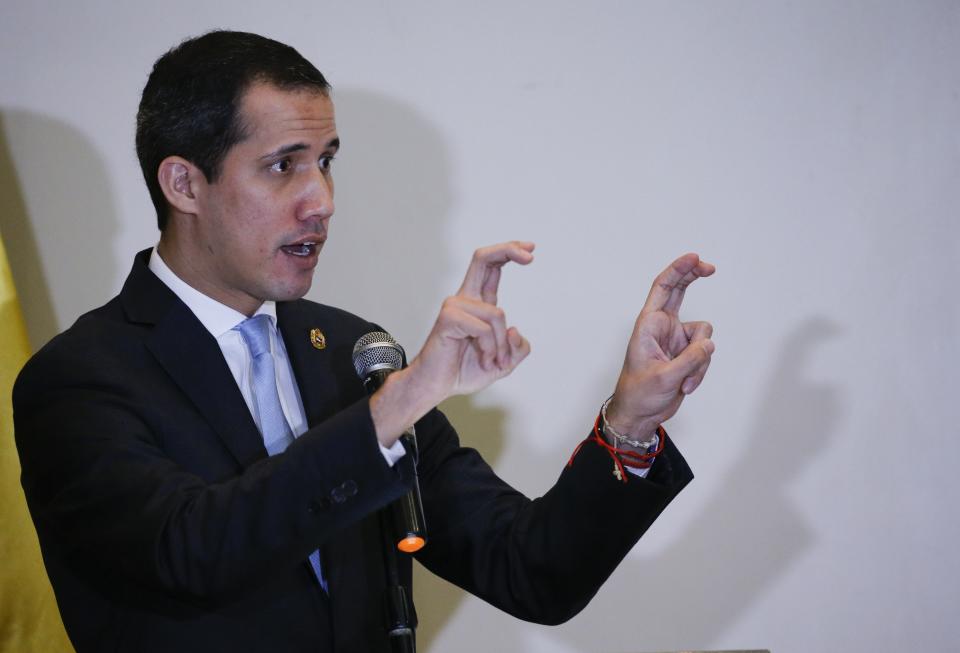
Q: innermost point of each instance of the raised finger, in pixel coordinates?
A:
(666, 293)
(488, 292)
(483, 274)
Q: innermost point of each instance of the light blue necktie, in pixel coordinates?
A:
(274, 428)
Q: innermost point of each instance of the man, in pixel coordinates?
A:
(184, 504)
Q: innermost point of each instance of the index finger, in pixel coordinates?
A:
(666, 293)
(483, 275)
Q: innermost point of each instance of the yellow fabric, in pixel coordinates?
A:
(29, 619)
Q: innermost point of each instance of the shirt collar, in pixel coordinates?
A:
(216, 317)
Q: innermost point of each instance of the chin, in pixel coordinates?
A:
(291, 292)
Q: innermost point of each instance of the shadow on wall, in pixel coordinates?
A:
(387, 254)
(57, 221)
(748, 533)
(394, 199)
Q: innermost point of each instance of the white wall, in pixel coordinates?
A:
(811, 150)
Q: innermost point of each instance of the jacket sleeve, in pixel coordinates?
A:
(97, 441)
(540, 560)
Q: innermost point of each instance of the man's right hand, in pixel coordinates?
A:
(469, 347)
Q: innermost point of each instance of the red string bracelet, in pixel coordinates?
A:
(623, 457)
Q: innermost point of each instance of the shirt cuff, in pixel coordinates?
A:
(396, 452)
(642, 471)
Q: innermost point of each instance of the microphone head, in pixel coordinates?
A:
(376, 350)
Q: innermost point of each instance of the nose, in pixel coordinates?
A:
(317, 199)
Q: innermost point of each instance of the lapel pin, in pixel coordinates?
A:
(317, 339)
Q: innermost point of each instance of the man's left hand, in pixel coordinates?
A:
(666, 358)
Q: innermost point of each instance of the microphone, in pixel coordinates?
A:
(375, 356)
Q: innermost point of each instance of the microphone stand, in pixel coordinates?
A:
(401, 628)
(401, 623)
(375, 356)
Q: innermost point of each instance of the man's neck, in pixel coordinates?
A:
(184, 266)
(216, 316)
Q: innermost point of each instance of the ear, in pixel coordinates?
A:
(179, 180)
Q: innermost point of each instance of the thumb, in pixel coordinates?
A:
(690, 360)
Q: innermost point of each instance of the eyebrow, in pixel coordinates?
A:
(334, 144)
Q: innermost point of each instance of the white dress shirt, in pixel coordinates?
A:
(220, 321)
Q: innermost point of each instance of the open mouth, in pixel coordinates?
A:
(300, 249)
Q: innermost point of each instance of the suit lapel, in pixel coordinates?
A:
(327, 382)
(324, 375)
(192, 358)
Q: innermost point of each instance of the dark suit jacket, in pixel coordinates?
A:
(165, 526)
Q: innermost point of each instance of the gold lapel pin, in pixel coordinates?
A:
(317, 339)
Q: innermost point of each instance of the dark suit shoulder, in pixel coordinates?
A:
(97, 341)
(113, 327)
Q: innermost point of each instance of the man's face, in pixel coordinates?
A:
(262, 224)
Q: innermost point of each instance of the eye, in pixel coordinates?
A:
(326, 162)
(283, 165)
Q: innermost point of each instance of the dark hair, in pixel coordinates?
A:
(190, 104)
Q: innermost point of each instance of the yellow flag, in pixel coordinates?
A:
(29, 619)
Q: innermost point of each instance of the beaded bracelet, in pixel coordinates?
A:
(619, 437)
(622, 457)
